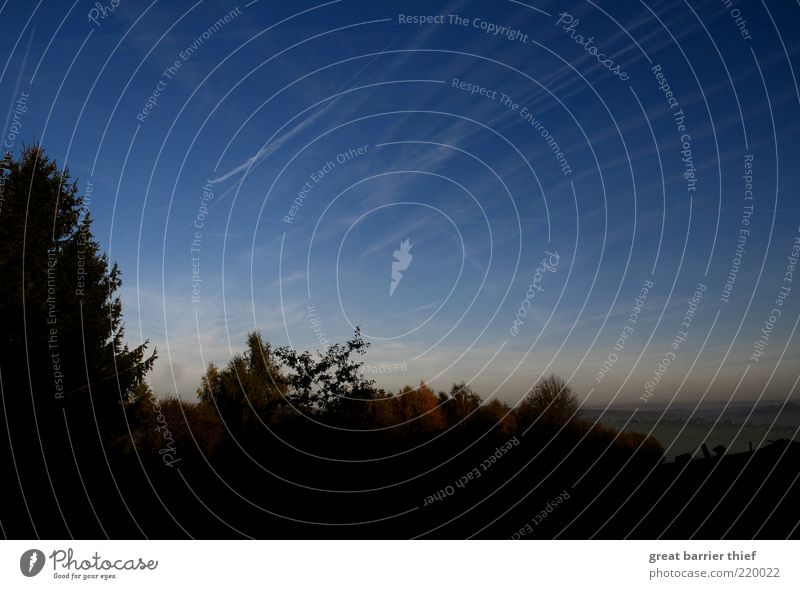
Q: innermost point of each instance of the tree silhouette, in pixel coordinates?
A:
(326, 381)
(61, 319)
(249, 388)
(460, 404)
(418, 409)
(84, 428)
(551, 400)
(66, 373)
(495, 412)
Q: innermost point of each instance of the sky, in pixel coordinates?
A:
(604, 191)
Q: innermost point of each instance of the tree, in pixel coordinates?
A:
(329, 380)
(250, 388)
(496, 413)
(417, 408)
(60, 315)
(460, 404)
(551, 400)
(67, 374)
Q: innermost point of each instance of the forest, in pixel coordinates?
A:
(283, 443)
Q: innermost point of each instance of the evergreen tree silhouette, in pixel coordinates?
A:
(67, 373)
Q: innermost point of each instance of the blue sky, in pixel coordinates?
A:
(290, 150)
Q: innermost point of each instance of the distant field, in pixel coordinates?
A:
(735, 428)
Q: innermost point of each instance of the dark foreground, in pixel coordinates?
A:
(576, 483)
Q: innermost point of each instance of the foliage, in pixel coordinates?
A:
(60, 315)
(460, 404)
(551, 400)
(323, 382)
(418, 410)
(249, 388)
